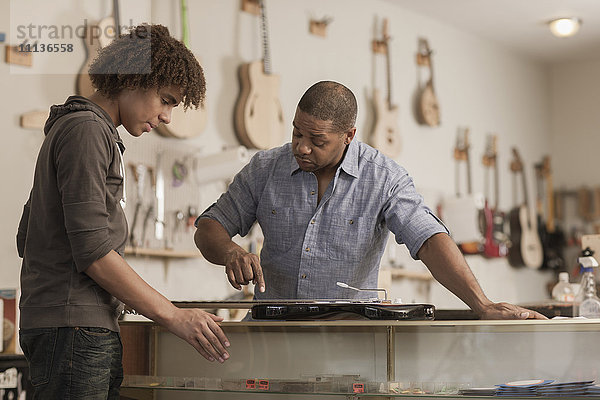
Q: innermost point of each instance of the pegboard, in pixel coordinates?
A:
(183, 193)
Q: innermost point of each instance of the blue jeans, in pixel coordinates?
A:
(73, 363)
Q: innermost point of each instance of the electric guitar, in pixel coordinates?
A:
(184, 123)
(552, 238)
(495, 237)
(461, 211)
(258, 118)
(526, 247)
(385, 136)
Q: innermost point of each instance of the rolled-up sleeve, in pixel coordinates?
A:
(81, 179)
(407, 216)
(236, 208)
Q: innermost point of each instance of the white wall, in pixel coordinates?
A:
(478, 83)
(576, 123)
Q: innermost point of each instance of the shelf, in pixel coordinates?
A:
(341, 388)
(164, 253)
(401, 273)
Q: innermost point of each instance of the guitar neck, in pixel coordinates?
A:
(265, 39)
(469, 189)
(388, 63)
(525, 195)
(496, 187)
(185, 31)
(117, 18)
(550, 224)
(389, 74)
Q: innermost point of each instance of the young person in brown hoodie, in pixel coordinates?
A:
(72, 233)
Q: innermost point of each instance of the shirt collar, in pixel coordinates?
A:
(349, 163)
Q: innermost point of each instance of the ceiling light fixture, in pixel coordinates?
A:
(564, 27)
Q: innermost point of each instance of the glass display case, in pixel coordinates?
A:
(362, 359)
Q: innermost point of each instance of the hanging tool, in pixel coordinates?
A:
(139, 175)
(148, 217)
(178, 226)
(159, 226)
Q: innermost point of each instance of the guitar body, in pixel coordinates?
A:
(428, 106)
(107, 31)
(92, 45)
(385, 136)
(526, 246)
(258, 114)
(184, 124)
(494, 221)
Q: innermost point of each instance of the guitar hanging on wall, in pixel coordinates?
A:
(184, 123)
(526, 247)
(258, 118)
(461, 211)
(552, 238)
(428, 107)
(97, 36)
(495, 237)
(385, 136)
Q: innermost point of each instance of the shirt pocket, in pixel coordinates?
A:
(277, 225)
(345, 237)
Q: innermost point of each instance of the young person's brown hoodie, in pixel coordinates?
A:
(73, 217)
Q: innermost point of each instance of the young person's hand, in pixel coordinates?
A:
(200, 329)
(242, 268)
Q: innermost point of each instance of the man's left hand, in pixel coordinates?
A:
(508, 311)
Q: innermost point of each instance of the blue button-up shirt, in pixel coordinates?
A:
(309, 245)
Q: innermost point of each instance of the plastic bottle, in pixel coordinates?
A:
(589, 303)
(563, 291)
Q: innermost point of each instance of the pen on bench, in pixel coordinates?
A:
(346, 286)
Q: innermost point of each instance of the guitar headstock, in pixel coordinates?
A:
(546, 171)
(380, 46)
(424, 53)
(489, 157)
(542, 169)
(461, 149)
(516, 165)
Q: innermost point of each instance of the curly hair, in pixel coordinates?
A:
(330, 101)
(148, 57)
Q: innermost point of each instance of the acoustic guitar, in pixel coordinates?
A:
(385, 136)
(107, 30)
(461, 211)
(258, 117)
(495, 244)
(190, 122)
(526, 247)
(428, 108)
(552, 238)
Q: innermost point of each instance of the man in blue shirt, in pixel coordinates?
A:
(326, 204)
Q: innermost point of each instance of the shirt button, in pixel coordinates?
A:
(303, 276)
(273, 212)
(351, 221)
(312, 192)
(307, 249)
(313, 221)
